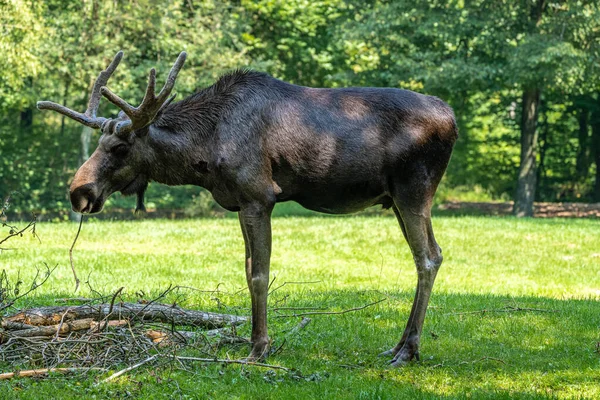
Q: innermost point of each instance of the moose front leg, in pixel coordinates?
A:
(256, 227)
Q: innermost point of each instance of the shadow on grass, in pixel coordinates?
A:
(520, 347)
(474, 346)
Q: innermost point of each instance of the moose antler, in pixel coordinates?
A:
(139, 117)
(146, 112)
(88, 118)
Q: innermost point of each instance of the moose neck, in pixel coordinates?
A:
(176, 157)
(183, 136)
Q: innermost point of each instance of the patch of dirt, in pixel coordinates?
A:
(541, 210)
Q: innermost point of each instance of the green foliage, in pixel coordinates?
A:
(21, 29)
(294, 38)
(203, 205)
(476, 55)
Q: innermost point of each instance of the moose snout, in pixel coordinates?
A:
(84, 197)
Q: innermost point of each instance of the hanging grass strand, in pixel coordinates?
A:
(71, 253)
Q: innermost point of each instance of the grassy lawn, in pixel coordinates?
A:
(490, 264)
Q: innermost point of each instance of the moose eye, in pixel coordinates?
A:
(120, 150)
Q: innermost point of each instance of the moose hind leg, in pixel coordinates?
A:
(428, 259)
(393, 351)
(413, 210)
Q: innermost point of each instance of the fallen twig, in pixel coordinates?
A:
(505, 309)
(43, 371)
(290, 283)
(488, 358)
(305, 321)
(70, 299)
(276, 309)
(110, 309)
(125, 370)
(225, 361)
(330, 312)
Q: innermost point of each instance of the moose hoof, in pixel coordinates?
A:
(403, 357)
(387, 353)
(259, 352)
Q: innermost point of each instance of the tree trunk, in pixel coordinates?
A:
(86, 137)
(583, 152)
(595, 122)
(26, 118)
(529, 140)
(543, 144)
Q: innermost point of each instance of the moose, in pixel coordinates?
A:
(253, 141)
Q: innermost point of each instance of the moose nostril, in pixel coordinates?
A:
(83, 198)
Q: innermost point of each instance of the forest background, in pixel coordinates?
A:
(523, 78)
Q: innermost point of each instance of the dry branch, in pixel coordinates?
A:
(103, 332)
(143, 312)
(60, 329)
(505, 309)
(330, 312)
(125, 370)
(7, 289)
(43, 371)
(225, 361)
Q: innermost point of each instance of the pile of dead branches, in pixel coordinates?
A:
(106, 332)
(103, 335)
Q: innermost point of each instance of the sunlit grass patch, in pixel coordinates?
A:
(515, 311)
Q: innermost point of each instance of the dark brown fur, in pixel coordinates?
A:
(253, 141)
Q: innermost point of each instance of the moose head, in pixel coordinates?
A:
(121, 161)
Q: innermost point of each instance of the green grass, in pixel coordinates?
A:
(490, 263)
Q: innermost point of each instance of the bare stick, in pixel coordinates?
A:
(71, 253)
(38, 372)
(62, 320)
(297, 308)
(330, 312)
(505, 309)
(70, 299)
(488, 358)
(110, 309)
(305, 321)
(224, 361)
(126, 370)
(290, 283)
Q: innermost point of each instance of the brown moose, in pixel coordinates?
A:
(254, 141)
